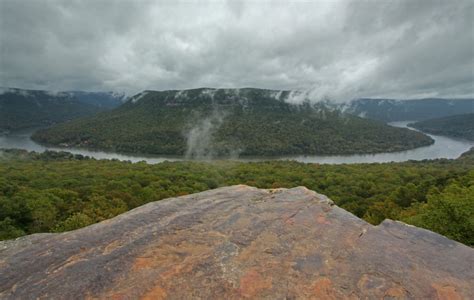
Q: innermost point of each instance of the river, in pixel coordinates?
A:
(444, 147)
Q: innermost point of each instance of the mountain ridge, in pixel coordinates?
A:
(108, 99)
(391, 110)
(220, 122)
(458, 126)
(21, 108)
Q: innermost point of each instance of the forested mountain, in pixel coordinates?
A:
(107, 100)
(219, 122)
(460, 126)
(390, 110)
(21, 108)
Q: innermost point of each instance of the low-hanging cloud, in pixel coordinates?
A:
(335, 50)
(200, 136)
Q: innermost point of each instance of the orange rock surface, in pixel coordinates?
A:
(238, 242)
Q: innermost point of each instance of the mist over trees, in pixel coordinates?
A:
(55, 192)
(229, 122)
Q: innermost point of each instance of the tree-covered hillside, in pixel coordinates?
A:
(229, 122)
(459, 126)
(105, 100)
(54, 192)
(390, 110)
(31, 108)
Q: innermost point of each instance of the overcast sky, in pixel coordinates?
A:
(336, 49)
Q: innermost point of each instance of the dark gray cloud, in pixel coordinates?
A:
(336, 49)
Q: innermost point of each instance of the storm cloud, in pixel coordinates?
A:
(331, 49)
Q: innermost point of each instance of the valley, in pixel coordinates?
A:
(457, 126)
(229, 122)
(59, 191)
(443, 147)
(236, 149)
(394, 110)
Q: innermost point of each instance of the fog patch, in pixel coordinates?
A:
(209, 92)
(24, 93)
(4, 90)
(296, 97)
(179, 94)
(200, 140)
(277, 95)
(57, 94)
(137, 98)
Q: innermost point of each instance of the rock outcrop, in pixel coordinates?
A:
(238, 242)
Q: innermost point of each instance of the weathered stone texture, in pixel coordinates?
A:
(238, 242)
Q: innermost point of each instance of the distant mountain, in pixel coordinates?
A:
(389, 110)
(106, 100)
(202, 122)
(21, 108)
(460, 126)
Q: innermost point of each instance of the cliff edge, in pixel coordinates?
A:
(238, 242)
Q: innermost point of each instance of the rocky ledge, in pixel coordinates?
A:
(238, 242)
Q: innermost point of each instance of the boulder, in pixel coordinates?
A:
(238, 242)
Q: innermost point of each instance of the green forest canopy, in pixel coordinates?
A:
(58, 191)
(226, 122)
(458, 126)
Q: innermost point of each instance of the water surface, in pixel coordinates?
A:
(443, 147)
